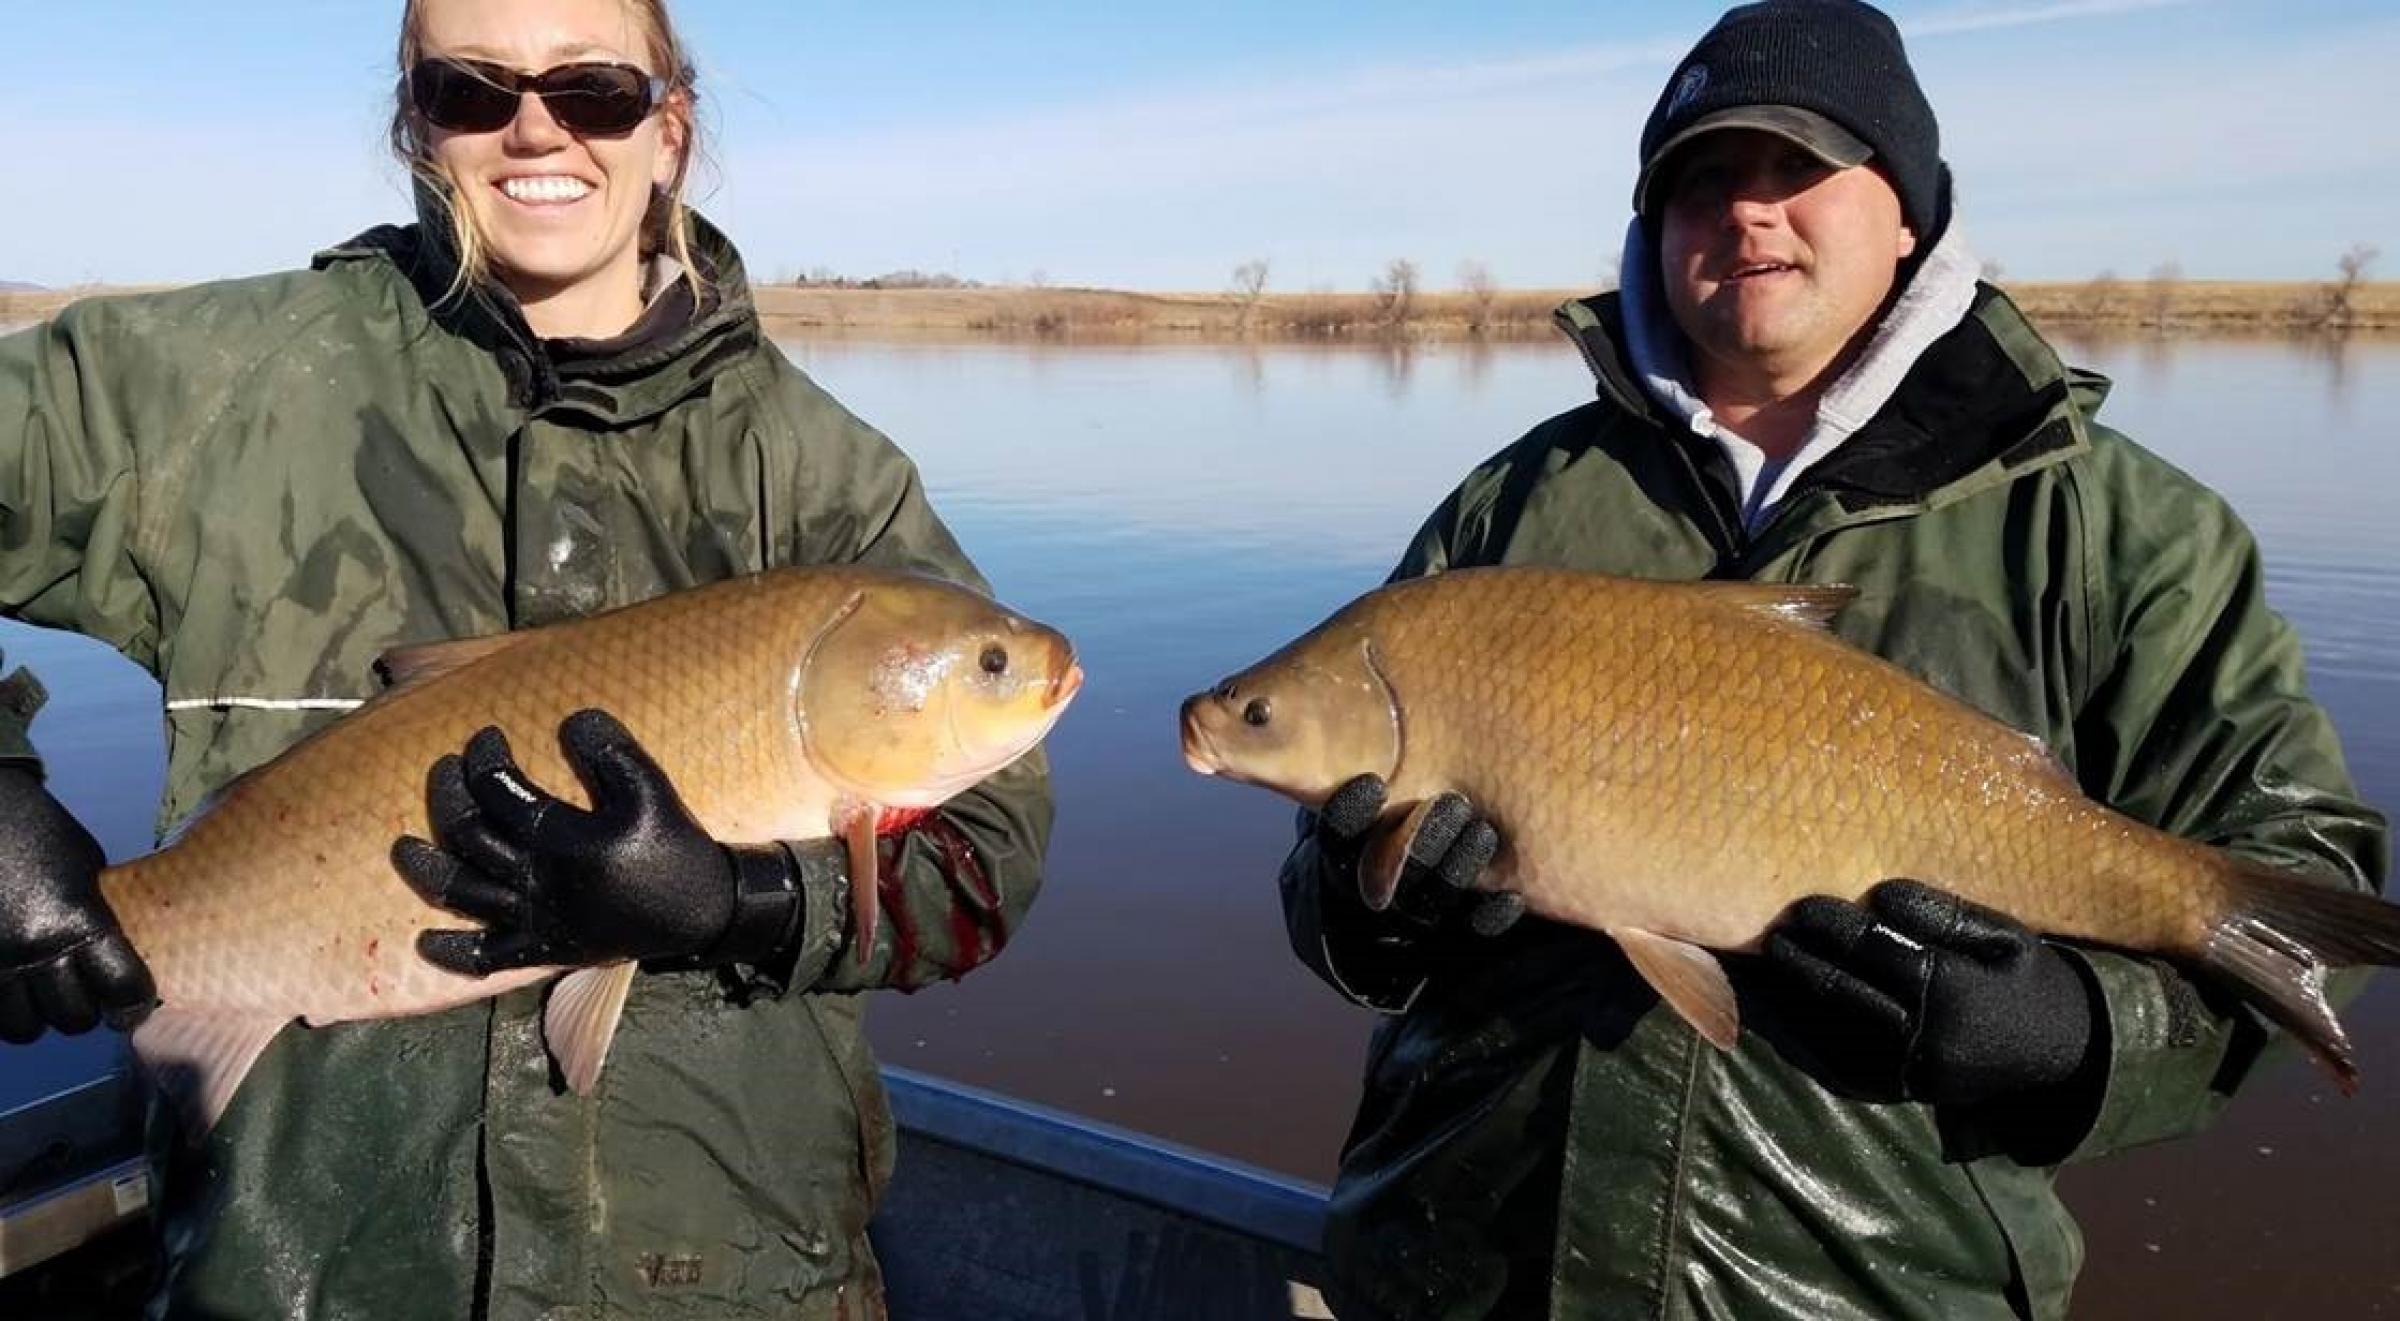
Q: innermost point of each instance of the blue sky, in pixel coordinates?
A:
(1156, 146)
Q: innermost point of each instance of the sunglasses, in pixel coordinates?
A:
(475, 96)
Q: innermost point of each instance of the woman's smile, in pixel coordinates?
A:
(546, 192)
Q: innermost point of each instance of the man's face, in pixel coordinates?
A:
(1772, 259)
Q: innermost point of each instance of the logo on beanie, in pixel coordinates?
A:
(1687, 87)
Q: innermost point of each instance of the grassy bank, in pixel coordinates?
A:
(2185, 307)
(1108, 312)
(2194, 307)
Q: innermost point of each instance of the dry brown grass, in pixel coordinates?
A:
(1067, 313)
(2204, 306)
(2183, 307)
(33, 306)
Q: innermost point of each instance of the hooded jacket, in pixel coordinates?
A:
(1539, 1138)
(255, 488)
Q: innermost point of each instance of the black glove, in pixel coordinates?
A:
(1453, 845)
(1920, 995)
(633, 878)
(64, 962)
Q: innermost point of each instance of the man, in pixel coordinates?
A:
(1802, 380)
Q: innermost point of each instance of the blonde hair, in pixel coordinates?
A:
(668, 225)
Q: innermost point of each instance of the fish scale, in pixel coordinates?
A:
(313, 837)
(1788, 748)
(279, 899)
(1677, 763)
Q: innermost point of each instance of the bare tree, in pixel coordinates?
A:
(1482, 292)
(1249, 285)
(2340, 313)
(1395, 294)
(2099, 298)
(2165, 280)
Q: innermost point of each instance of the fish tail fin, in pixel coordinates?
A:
(2276, 938)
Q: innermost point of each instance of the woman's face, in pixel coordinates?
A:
(559, 212)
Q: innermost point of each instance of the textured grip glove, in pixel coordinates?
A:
(635, 877)
(1920, 995)
(64, 963)
(1453, 844)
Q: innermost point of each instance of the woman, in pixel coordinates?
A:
(550, 396)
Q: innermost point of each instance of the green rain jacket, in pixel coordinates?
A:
(255, 488)
(1537, 1139)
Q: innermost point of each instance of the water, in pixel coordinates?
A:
(1181, 510)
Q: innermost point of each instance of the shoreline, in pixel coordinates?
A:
(2180, 309)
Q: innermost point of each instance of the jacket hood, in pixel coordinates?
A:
(1980, 403)
(681, 343)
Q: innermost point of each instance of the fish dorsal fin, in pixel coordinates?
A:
(1688, 978)
(197, 1060)
(2046, 760)
(581, 1020)
(403, 666)
(1807, 605)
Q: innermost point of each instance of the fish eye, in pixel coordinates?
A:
(995, 659)
(1258, 712)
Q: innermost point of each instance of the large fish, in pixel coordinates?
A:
(790, 705)
(1676, 763)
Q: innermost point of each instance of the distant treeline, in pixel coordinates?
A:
(1398, 305)
(2200, 308)
(908, 279)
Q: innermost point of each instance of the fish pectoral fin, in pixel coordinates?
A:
(197, 1059)
(855, 823)
(402, 666)
(1380, 866)
(580, 1021)
(1687, 977)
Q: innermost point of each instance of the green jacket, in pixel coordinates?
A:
(255, 488)
(1537, 1139)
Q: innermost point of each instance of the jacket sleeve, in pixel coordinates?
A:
(68, 504)
(1373, 959)
(2199, 721)
(954, 886)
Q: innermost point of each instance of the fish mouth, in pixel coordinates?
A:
(1066, 685)
(1199, 751)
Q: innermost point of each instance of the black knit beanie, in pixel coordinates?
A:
(1830, 75)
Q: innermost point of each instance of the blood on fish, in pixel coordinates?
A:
(894, 820)
(977, 927)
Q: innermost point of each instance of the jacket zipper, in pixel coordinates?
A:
(1729, 540)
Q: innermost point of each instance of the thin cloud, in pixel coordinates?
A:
(1487, 77)
(1984, 19)
(1415, 83)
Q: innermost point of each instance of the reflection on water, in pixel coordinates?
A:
(1179, 510)
(1177, 529)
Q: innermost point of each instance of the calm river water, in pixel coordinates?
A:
(1181, 510)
